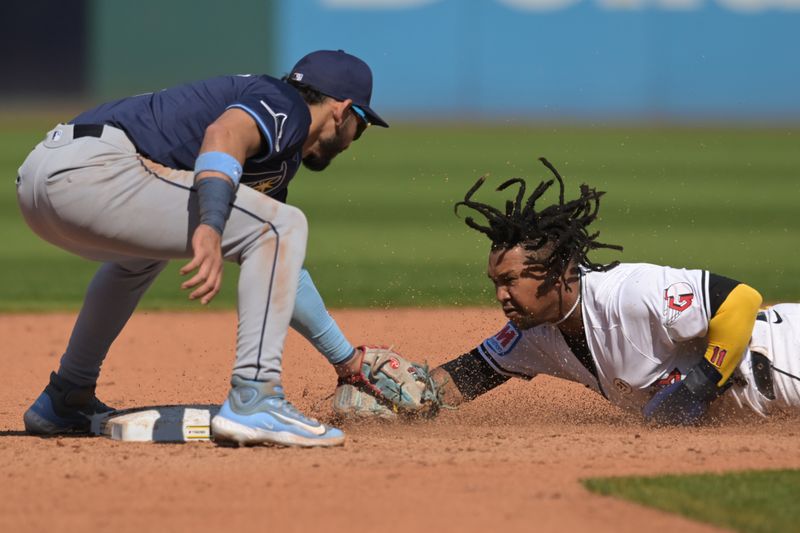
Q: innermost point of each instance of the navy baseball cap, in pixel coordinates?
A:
(339, 75)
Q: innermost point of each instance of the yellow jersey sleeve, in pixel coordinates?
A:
(730, 328)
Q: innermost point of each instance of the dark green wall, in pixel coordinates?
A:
(145, 45)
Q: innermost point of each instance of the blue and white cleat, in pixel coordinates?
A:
(64, 408)
(256, 412)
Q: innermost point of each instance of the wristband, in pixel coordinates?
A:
(219, 162)
(702, 381)
(215, 200)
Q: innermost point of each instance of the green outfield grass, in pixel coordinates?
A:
(751, 502)
(383, 231)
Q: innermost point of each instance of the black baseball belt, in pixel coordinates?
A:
(87, 130)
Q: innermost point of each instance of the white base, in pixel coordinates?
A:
(163, 423)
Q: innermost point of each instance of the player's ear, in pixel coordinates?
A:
(340, 110)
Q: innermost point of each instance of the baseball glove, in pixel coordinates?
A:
(388, 385)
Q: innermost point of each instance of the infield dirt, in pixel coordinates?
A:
(509, 461)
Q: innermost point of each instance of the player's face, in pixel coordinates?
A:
(516, 290)
(333, 143)
(326, 149)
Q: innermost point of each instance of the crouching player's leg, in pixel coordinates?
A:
(271, 254)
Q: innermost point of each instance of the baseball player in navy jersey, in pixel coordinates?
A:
(198, 171)
(664, 342)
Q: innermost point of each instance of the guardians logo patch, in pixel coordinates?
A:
(504, 341)
(678, 297)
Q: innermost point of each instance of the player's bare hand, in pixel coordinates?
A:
(207, 261)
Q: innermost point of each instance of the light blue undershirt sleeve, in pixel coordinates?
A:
(311, 320)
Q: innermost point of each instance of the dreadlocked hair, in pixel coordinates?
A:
(559, 232)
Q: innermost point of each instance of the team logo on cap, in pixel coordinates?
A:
(678, 297)
(297, 76)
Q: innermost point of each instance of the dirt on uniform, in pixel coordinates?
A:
(509, 461)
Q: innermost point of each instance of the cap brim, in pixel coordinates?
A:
(374, 118)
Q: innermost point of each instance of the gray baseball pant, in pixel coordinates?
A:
(98, 198)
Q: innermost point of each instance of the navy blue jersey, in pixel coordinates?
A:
(168, 126)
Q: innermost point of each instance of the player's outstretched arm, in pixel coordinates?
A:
(729, 331)
(466, 377)
(451, 395)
